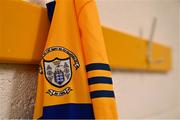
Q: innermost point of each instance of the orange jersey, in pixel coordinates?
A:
(74, 81)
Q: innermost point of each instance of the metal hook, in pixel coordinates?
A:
(150, 44)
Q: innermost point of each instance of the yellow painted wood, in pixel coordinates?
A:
(130, 53)
(24, 29)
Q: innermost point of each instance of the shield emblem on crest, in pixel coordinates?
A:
(58, 72)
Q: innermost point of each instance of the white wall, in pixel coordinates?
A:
(139, 95)
(179, 57)
(145, 95)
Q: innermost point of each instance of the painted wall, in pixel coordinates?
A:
(179, 58)
(138, 94)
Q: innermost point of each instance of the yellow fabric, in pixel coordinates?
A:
(100, 108)
(99, 73)
(75, 27)
(100, 87)
(95, 52)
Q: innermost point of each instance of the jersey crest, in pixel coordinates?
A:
(58, 72)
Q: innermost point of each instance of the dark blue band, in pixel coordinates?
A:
(97, 66)
(51, 7)
(102, 93)
(103, 80)
(68, 111)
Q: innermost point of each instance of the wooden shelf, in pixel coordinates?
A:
(24, 28)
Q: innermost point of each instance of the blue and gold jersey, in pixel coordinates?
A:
(74, 81)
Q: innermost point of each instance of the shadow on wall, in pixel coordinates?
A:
(23, 91)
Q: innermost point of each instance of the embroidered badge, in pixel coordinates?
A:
(58, 71)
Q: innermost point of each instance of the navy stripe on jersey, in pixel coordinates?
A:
(102, 93)
(68, 111)
(100, 80)
(97, 66)
(51, 7)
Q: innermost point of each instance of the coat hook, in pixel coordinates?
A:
(150, 44)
